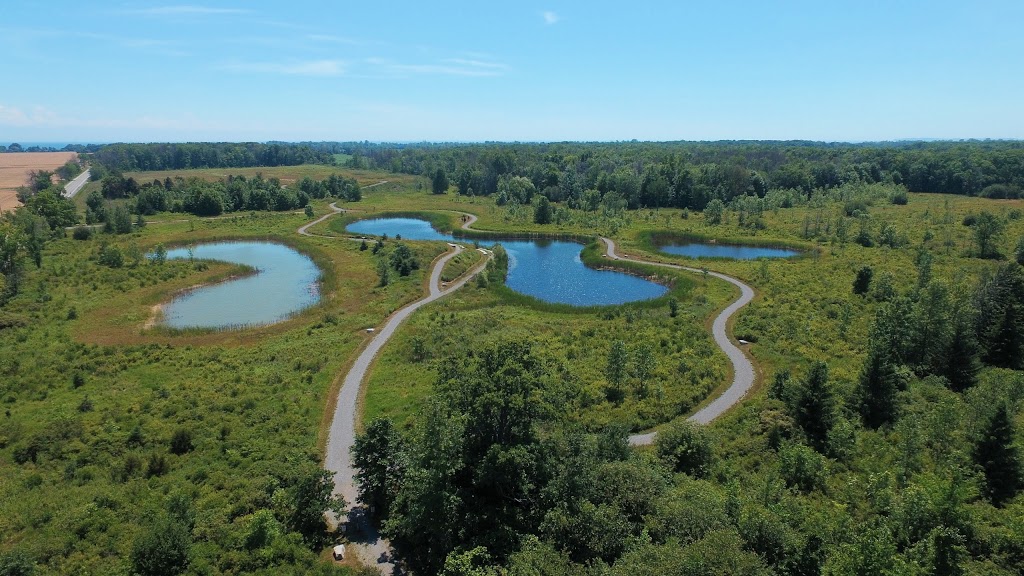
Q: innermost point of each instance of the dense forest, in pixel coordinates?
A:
(129, 157)
(643, 174)
(202, 198)
(689, 175)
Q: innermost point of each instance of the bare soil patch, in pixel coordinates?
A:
(14, 169)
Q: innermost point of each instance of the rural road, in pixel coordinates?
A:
(365, 543)
(743, 370)
(72, 188)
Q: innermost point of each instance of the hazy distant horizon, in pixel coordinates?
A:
(61, 144)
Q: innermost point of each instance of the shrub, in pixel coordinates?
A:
(162, 549)
(82, 233)
(181, 442)
(1001, 192)
(862, 282)
(111, 256)
(856, 207)
(685, 447)
(157, 465)
(16, 563)
(864, 238)
(802, 468)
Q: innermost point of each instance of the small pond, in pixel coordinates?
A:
(733, 252)
(408, 228)
(286, 281)
(549, 270)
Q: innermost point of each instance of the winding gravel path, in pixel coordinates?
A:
(304, 229)
(364, 540)
(743, 370)
(365, 543)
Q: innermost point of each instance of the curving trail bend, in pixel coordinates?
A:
(367, 544)
(364, 541)
(743, 370)
(304, 229)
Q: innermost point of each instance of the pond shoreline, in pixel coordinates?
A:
(552, 270)
(289, 282)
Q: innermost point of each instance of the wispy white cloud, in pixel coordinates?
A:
(309, 68)
(549, 17)
(477, 64)
(447, 67)
(187, 9)
(11, 116)
(41, 117)
(332, 39)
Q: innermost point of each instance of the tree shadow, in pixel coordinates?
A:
(360, 529)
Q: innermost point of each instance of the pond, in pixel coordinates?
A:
(549, 270)
(286, 282)
(730, 251)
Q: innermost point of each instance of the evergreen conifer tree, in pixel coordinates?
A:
(997, 457)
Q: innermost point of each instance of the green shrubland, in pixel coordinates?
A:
(883, 436)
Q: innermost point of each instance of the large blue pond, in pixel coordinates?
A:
(549, 270)
(701, 250)
(286, 282)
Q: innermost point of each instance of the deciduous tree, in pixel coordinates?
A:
(379, 456)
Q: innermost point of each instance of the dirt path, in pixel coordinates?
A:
(382, 182)
(304, 229)
(743, 370)
(364, 540)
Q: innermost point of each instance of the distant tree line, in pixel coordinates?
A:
(134, 157)
(692, 174)
(80, 148)
(202, 198)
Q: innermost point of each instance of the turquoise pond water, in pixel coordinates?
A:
(549, 270)
(286, 282)
(702, 250)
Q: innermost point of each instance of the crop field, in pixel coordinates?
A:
(14, 169)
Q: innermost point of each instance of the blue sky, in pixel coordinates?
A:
(471, 71)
